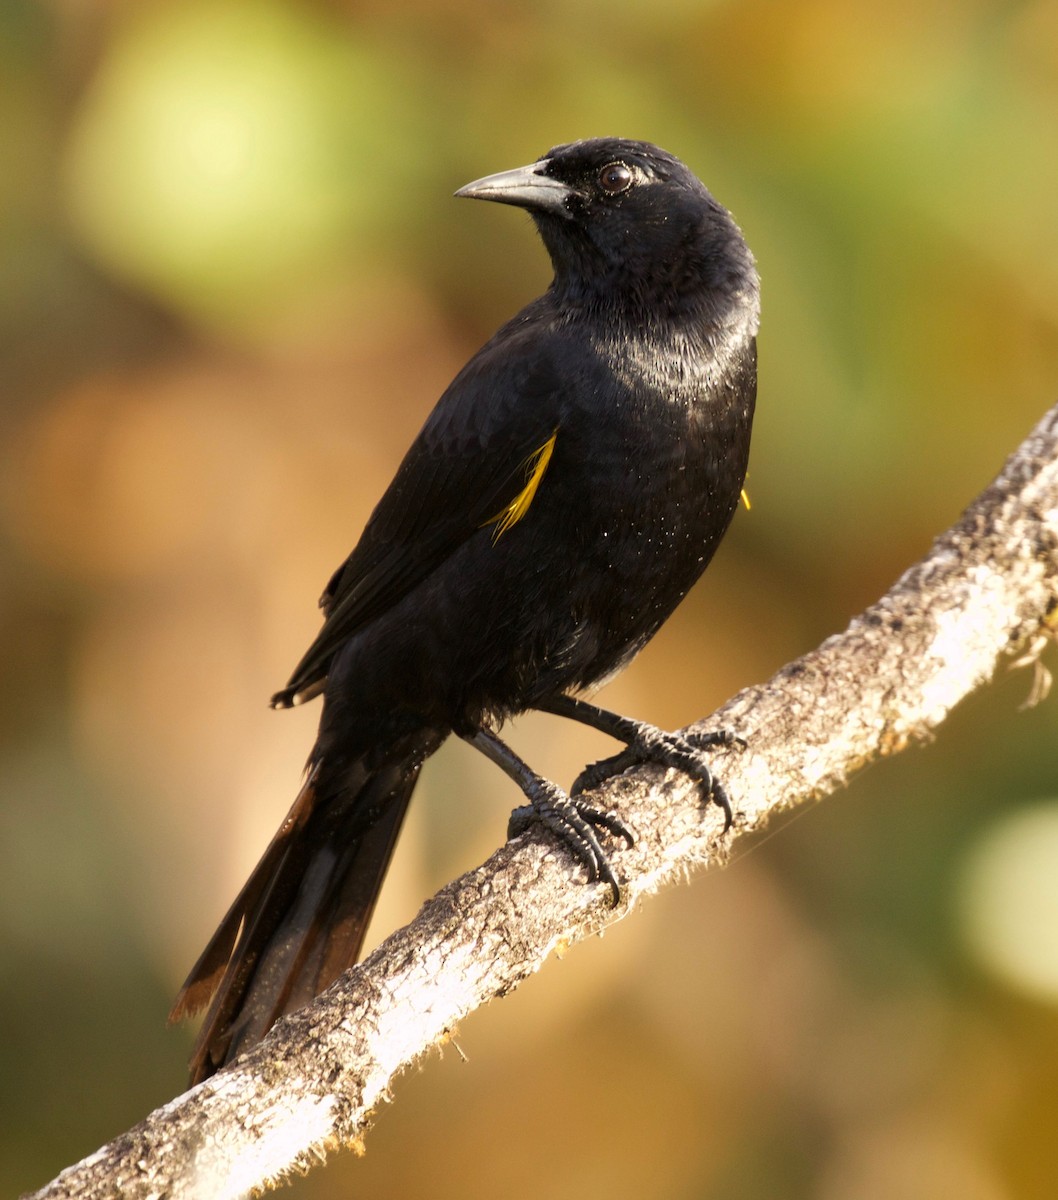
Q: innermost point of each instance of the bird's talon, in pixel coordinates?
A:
(718, 795)
(576, 824)
(520, 820)
(597, 773)
(615, 889)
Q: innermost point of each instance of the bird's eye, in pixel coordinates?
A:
(615, 178)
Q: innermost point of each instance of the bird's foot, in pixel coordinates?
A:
(577, 824)
(685, 752)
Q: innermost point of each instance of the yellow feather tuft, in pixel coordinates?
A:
(535, 466)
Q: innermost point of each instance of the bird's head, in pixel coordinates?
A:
(626, 219)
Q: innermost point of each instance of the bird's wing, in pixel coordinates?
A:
(477, 462)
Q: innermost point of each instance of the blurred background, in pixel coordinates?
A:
(233, 283)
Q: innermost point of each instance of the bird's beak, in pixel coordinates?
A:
(525, 187)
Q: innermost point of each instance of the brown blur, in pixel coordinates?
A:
(232, 284)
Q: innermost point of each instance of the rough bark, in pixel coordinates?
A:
(987, 589)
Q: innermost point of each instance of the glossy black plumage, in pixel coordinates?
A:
(568, 489)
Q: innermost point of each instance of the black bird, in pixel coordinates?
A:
(570, 486)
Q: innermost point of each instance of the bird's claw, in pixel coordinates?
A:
(596, 774)
(684, 751)
(576, 824)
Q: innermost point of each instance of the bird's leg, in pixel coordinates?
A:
(573, 820)
(647, 743)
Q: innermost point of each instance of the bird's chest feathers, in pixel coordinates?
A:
(662, 403)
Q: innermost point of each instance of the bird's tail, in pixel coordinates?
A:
(300, 919)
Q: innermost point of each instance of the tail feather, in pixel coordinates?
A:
(300, 919)
(205, 976)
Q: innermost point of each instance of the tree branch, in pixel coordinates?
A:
(988, 587)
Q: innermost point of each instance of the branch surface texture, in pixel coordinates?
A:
(987, 588)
